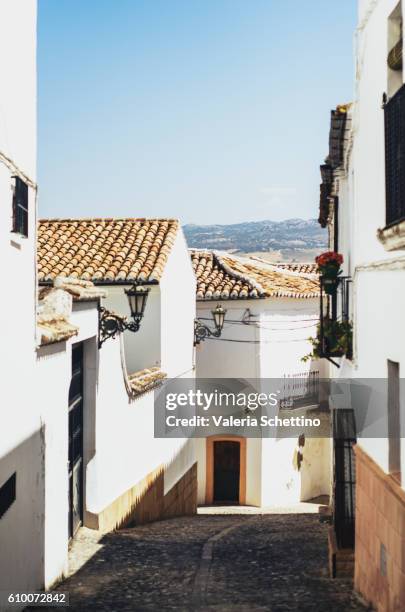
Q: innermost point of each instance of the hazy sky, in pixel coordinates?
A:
(207, 110)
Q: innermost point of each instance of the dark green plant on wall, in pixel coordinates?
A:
(337, 340)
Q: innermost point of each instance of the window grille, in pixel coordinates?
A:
(344, 434)
(394, 120)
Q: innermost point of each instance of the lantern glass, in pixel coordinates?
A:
(137, 297)
(219, 317)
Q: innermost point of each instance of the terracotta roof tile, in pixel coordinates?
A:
(216, 281)
(55, 307)
(105, 249)
(145, 380)
(295, 266)
(53, 313)
(224, 276)
(55, 331)
(80, 290)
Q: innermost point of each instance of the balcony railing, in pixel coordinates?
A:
(300, 390)
(334, 319)
(394, 120)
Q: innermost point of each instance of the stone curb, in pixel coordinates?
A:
(199, 597)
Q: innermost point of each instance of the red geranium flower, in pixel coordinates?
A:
(330, 258)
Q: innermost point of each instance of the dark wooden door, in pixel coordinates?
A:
(76, 441)
(226, 471)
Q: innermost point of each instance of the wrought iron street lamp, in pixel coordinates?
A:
(111, 324)
(202, 331)
(137, 296)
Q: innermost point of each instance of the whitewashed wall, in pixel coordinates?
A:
(119, 444)
(126, 450)
(143, 349)
(178, 311)
(53, 374)
(285, 328)
(220, 359)
(53, 377)
(282, 483)
(273, 348)
(378, 282)
(165, 339)
(368, 128)
(270, 349)
(21, 439)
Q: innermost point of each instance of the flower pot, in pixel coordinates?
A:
(330, 285)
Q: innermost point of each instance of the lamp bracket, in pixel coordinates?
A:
(202, 332)
(111, 324)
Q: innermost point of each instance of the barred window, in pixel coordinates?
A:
(20, 207)
(394, 112)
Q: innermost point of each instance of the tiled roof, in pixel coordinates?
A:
(55, 307)
(81, 291)
(55, 331)
(105, 250)
(296, 266)
(225, 276)
(215, 280)
(53, 313)
(145, 380)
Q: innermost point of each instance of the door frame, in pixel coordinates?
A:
(209, 472)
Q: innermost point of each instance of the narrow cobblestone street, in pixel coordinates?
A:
(222, 562)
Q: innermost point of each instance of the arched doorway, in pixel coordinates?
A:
(226, 470)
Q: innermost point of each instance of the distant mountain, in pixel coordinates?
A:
(283, 240)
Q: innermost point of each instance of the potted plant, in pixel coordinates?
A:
(336, 341)
(329, 264)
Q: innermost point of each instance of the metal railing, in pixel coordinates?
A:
(334, 311)
(344, 434)
(300, 390)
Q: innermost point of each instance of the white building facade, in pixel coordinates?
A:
(271, 314)
(365, 213)
(122, 474)
(21, 436)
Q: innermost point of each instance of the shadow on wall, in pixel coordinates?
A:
(153, 504)
(146, 501)
(22, 515)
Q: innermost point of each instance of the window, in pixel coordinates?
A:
(20, 207)
(394, 420)
(7, 494)
(394, 119)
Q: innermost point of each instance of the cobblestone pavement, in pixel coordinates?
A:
(211, 562)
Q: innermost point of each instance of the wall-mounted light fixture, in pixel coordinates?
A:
(202, 331)
(111, 324)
